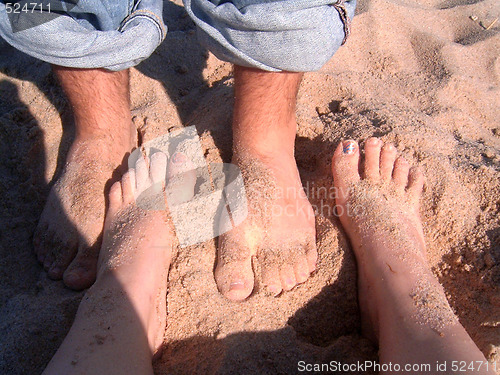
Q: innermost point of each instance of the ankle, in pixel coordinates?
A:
(122, 130)
(265, 154)
(266, 140)
(110, 141)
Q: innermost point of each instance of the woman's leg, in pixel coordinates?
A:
(121, 320)
(403, 305)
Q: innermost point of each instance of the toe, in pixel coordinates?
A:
(234, 273)
(311, 256)
(142, 181)
(301, 269)
(400, 174)
(158, 167)
(271, 279)
(40, 232)
(287, 276)
(115, 197)
(372, 159)
(54, 272)
(81, 272)
(48, 261)
(64, 254)
(177, 164)
(345, 168)
(128, 186)
(151, 183)
(415, 185)
(387, 159)
(181, 179)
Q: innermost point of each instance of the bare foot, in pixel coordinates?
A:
(380, 213)
(124, 312)
(279, 232)
(68, 235)
(67, 238)
(137, 245)
(403, 306)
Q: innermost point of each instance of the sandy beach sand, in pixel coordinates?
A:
(423, 74)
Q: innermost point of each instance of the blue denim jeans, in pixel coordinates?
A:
(273, 35)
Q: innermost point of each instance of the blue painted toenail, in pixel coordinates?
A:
(349, 147)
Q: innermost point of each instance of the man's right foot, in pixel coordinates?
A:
(379, 210)
(67, 237)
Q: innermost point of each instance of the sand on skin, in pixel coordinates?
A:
(421, 74)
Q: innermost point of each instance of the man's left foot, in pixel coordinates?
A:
(279, 231)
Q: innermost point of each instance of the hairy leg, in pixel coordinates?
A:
(403, 305)
(67, 238)
(279, 232)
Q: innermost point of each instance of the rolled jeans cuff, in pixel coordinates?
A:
(290, 35)
(74, 42)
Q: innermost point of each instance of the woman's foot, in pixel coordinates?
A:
(403, 306)
(379, 209)
(137, 243)
(121, 320)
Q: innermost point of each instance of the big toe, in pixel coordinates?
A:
(181, 177)
(81, 273)
(234, 274)
(64, 254)
(345, 168)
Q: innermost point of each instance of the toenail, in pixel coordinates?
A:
(349, 147)
(179, 158)
(374, 141)
(238, 284)
(74, 274)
